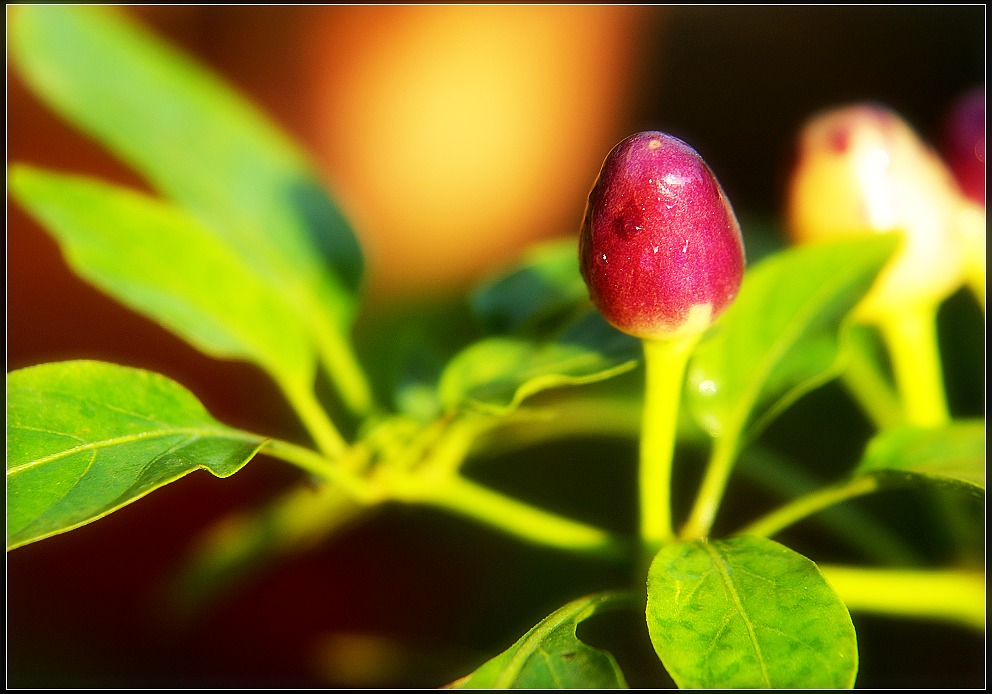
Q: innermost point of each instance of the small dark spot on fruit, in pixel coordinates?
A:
(629, 222)
(840, 139)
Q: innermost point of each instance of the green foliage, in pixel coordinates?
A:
(551, 656)
(242, 253)
(545, 287)
(208, 151)
(158, 259)
(748, 613)
(782, 336)
(85, 438)
(197, 142)
(497, 373)
(952, 455)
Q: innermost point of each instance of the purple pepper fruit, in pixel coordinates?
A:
(660, 250)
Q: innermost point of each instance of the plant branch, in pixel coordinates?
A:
(315, 419)
(911, 337)
(807, 505)
(952, 595)
(868, 534)
(871, 391)
(345, 372)
(322, 468)
(665, 363)
(516, 518)
(711, 489)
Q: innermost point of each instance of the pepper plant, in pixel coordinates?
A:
(649, 327)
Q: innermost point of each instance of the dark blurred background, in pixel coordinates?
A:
(412, 598)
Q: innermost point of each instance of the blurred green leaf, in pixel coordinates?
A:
(160, 261)
(953, 455)
(234, 550)
(497, 373)
(551, 656)
(782, 336)
(544, 286)
(407, 347)
(748, 613)
(203, 147)
(85, 438)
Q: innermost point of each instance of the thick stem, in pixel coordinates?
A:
(665, 363)
(804, 506)
(911, 337)
(953, 595)
(519, 519)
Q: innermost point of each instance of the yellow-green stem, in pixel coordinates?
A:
(516, 518)
(953, 595)
(665, 363)
(807, 505)
(911, 338)
(315, 419)
(321, 468)
(869, 388)
(345, 372)
(711, 489)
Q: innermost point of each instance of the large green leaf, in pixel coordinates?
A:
(544, 286)
(202, 146)
(497, 373)
(551, 656)
(952, 455)
(748, 613)
(85, 438)
(159, 260)
(782, 336)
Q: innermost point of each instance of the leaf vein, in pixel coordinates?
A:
(725, 570)
(42, 430)
(786, 339)
(128, 438)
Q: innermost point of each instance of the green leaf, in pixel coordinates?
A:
(85, 438)
(782, 336)
(952, 455)
(748, 613)
(205, 148)
(496, 374)
(161, 261)
(551, 656)
(544, 286)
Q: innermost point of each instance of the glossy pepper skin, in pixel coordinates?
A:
(660, 249)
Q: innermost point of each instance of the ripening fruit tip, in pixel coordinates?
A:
(660, 249)
(963, 144)
(862, 170)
